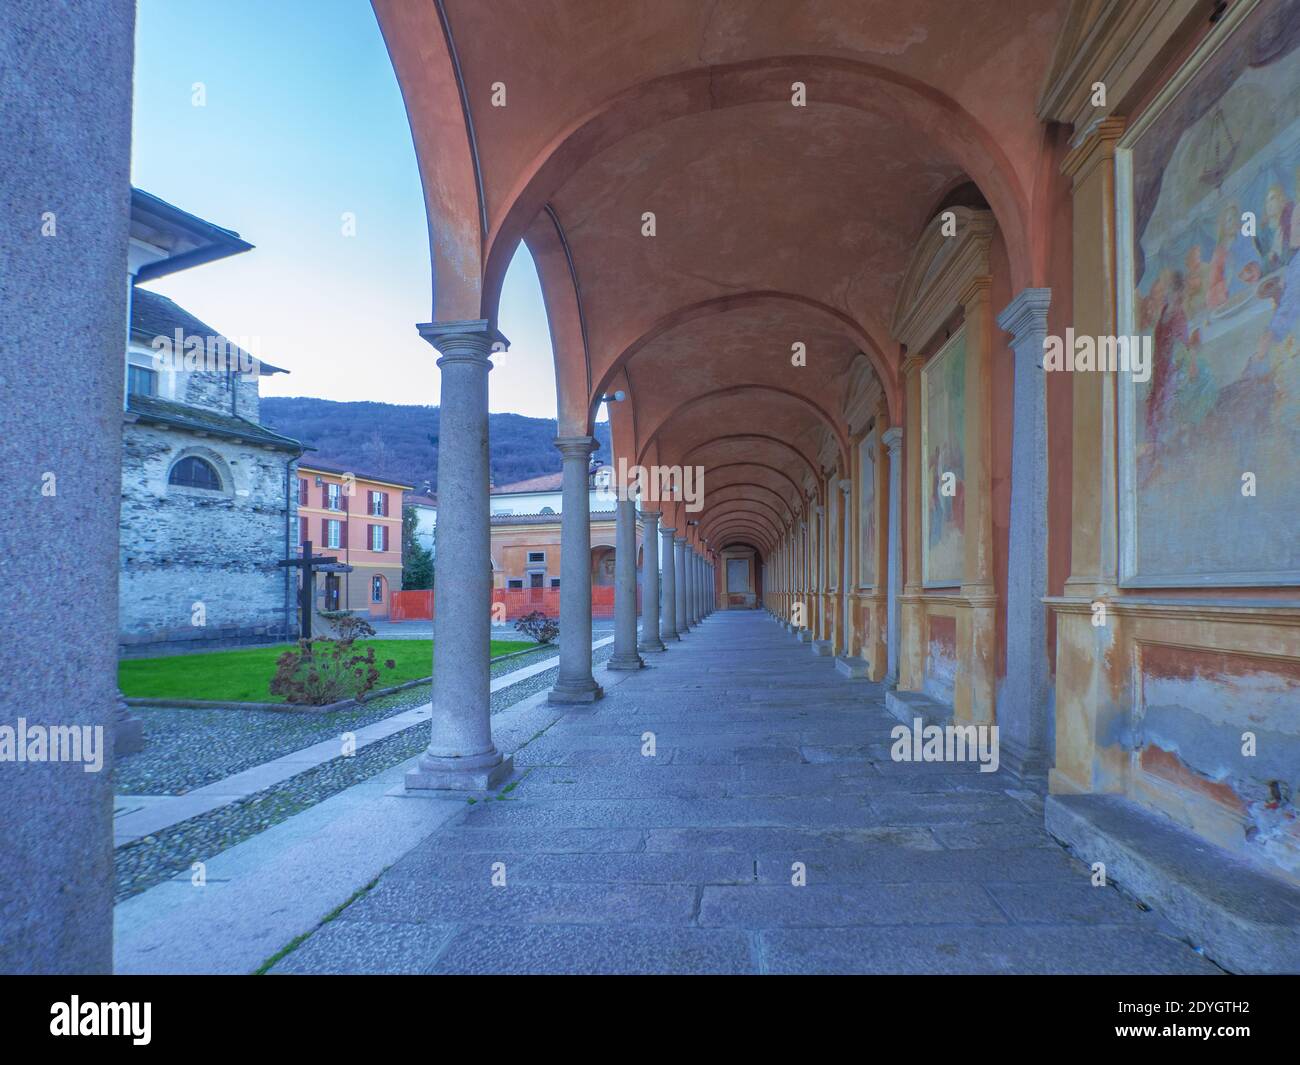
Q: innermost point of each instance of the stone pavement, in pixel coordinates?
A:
(615, 861)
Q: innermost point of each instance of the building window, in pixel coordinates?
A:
(141, 381)
(194, 472)
(515, 582)
(376, 589)
(302, 491)
(333, 537)
(555, 582)
(378, 538)
(536, 556)
(332, 495)
(299, 532)
(379, 504)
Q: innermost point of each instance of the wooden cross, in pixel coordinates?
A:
(307, 564)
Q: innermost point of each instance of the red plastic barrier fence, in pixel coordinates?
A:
(516, 602)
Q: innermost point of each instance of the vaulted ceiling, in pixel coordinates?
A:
(774, 224)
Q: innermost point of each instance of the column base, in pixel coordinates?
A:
(821, 648)
(624, 662)
(480, 772)
(128, 731)
(804, 636)
(853, 668)
(651, 646)
(576, 694)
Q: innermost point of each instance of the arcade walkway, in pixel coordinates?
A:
(618, 861)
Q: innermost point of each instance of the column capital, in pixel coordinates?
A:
(679, 540)
(911, 364)
(1096, 144)
(471, 340)
(1026, 315)
(892, 438)
(845, 485)
(667, 530)
(576, 447)
(649, 515)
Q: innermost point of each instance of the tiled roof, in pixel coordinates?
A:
(154, 315)
(198, 419)
(547, 482)
(542, 519)
(339, 471)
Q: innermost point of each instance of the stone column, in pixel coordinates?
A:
(461, 755)
(624, 656)
(846, 565)
(668, 624)
(697, 588)
(650, 639)
(575, 684)
(893, 441)
(1022, 711)
(61, 452)
(683, 582)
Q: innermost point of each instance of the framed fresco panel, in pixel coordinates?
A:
(1209, 276)
(943, 472)
(868, 544)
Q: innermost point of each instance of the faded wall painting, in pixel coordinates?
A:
(738, 576)
(868, 546)
(1209, 188)
(943, 449)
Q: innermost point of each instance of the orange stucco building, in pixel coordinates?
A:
(356, 518)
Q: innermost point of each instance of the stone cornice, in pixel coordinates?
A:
(940, 270)
(1116, 43)
(1245, 612)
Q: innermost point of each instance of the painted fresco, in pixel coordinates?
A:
(738, 576)
(1220, 298)
(943, 445)
(868, 548)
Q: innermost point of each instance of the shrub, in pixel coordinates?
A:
(328, 670)
(539, 627)
(349, 627)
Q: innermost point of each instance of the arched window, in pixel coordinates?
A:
(194, 472)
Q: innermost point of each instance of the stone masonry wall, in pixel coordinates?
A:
(199, 567)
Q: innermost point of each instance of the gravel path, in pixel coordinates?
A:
(187, 748)
(156, 858)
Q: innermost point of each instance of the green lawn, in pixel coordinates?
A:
(245, 676)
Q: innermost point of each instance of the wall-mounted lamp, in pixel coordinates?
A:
(614, 397)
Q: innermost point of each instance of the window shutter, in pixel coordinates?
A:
(383, 506)
(385, 534)
(343, 534)
(302, 491)
(302, 529)
(324, 532)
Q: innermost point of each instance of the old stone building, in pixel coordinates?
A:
(209, 494)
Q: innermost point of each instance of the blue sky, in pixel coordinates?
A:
(304, 122)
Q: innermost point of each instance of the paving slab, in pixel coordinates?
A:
(603, 860)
